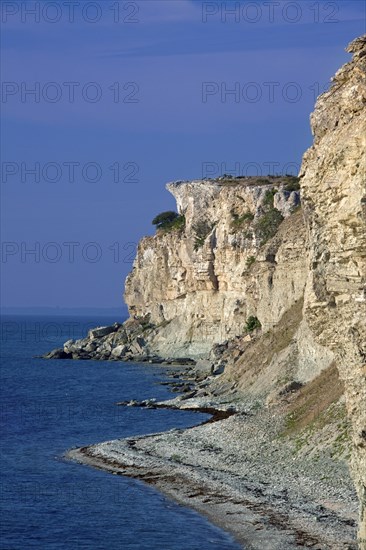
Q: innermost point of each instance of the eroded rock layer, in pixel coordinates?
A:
(334, 198)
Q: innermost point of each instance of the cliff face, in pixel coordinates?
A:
(334, 200)
(200, 284)
(305, 283)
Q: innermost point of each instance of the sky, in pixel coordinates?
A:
(103, 103)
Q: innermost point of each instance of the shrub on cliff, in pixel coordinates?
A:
(201, 229)
(292, 183)
(240, 221)
(250, 261)
(252, 323)
(169, 220)
(269, 198)
(164, 218)
(271, 218)
(267, 225)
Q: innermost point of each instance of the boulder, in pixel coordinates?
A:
(138, 346)
(218, 370)
(90, 347)
(99, 332)
(119, 351)
(72, 346)
(81, 356)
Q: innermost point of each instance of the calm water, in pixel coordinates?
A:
(48, 407)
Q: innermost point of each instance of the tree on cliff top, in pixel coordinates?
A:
(164, 219)
(169, 221)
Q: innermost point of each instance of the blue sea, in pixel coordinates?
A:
(48, 407)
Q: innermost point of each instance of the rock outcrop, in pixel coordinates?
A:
(333, 188)
(235, 258)
(238, 255)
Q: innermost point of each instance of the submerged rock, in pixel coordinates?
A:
(57, 354)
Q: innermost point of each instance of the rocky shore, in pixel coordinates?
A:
(242, 471)
(117, 342)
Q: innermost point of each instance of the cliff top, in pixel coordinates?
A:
(227, 180)
(358, 46)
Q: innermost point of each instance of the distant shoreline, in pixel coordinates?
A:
(118, 313)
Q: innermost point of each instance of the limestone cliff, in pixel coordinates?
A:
(198, 285)
(334, 198)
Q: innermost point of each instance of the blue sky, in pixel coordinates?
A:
(131, 95)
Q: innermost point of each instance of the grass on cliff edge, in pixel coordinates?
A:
(317, 418)
(291, 182)
(312, 400)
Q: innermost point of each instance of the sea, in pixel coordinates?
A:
(48, 407)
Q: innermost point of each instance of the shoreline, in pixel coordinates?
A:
(163, 479)
(204, 468)
(237, 516)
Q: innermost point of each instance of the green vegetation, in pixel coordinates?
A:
(267, 225)
(169, 221)
(292, 183)
(228, 182)
(334, 416)
(178, 224)
(252, 323)
(269, 197)
(316, 406)
(250, 261)
(239, 221)
(202, 229)
(164, 218)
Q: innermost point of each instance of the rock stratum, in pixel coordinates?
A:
(262, 281)
(334, 197)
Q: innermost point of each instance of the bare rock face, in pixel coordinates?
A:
(334, 201)
(235, 258)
